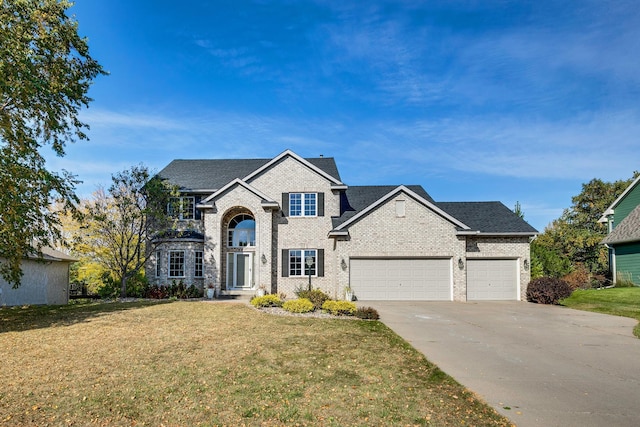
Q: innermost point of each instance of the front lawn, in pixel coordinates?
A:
(616, 301)
(199, 363)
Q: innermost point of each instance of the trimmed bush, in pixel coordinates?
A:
(368, 313)
(300, 305)
(316, 296)
(339, 308)
(547, 290)
(270, 300)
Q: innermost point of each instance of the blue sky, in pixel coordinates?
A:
(474, 100)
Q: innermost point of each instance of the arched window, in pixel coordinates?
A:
(242, 231)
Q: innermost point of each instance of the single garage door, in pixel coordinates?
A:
(492, 279)
(401, 279)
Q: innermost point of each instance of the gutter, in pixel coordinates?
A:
(480, 233)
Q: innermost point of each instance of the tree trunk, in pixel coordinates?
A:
(123, 286)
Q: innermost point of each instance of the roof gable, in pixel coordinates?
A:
(310, 164)
(363, 200)
(627, 231)
(239, 183)
(621, 197)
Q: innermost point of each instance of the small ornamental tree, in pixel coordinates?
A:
(122, 221)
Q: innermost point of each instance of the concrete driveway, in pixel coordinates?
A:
(538, 365)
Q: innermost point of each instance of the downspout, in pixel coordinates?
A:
(612, 263)
(612, 252)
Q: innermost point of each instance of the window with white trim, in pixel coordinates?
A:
(303, 204)
(298, 264)
(176, 263)
(158, 263)
(183, 207)
(199, 264)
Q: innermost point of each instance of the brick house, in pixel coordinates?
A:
(245, 224)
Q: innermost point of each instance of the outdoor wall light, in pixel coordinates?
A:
(263, 259)
(526, 264)
(343, 264)
(460, 263)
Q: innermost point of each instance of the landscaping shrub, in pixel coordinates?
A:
(174, 290)
(547, 290)
(368, 313)
(300, 305)
(600, 281)
(269, 300)
(109, 289)
(316, 296)
(157, 292)
(579, 278)
(339, 308)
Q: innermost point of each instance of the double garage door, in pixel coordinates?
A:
(431, 280)
(401, 279)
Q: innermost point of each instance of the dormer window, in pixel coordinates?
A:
(303, 204)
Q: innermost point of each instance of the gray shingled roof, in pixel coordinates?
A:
(213, 174)
(180, 234)
(627, 231)
(487, 217)
(359, 197)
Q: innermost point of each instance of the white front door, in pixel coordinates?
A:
(240, 270)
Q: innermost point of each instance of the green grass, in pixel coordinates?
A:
(616, 301)
(217, 364)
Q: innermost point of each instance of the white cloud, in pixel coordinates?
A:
(587, 146)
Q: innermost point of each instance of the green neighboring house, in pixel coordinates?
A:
(623, 240)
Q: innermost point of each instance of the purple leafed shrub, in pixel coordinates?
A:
(547, 290)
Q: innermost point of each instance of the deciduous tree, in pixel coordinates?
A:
(45, 74)
(120, 223)
(577, 234)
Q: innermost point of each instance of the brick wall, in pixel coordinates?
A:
(290, 176)
(419, 233)
(189, 248)
(504, 248)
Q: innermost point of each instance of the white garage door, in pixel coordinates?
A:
(401, 279)
(492, 279)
